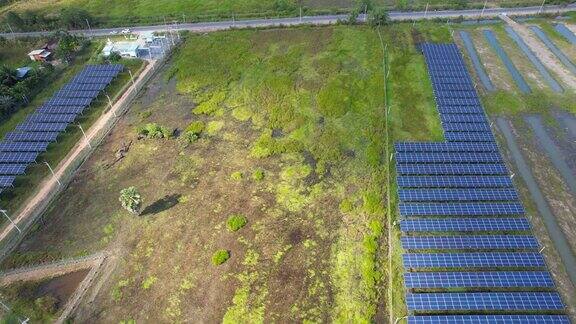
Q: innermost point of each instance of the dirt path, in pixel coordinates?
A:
(543, 53)
(50, 186)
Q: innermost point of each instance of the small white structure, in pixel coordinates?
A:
(126, 49)
(40, 55)
(149, 37)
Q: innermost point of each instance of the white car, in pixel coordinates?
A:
(126, 31)
(114, 32)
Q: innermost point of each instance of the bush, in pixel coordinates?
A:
(114, 57)
(236, 222)
(212, 105)
(258, 175)
(220, 257)
(153, 130)
(196, 127)
(237, 176)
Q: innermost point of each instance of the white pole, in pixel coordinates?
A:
(89, 29)
(542, 6)
(11, 30)
(85, 137)
(399, 319)
(483, 8)
(10, 219)
(131, 77)
(426, 11)
(53, 174)
(300, 14)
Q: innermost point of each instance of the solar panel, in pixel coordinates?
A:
(60, 110)
(452, 169)
(448, 157)
(23, 147)
(461, 110)
(446, 147)
(7, 181)
(484, 301)
(454, 181)
(469, 136)
(489, 319)
(31, 137)
(80, 79)
(98, 73)
(461, 209)
(449, 80)
(13, 169)
(84, 87)
(76, 94)
(51, 118)
(465, 224)
(459, 86)
(74, 102)
(504, 279)
(457, 194)
(458, 102)
(103, 67)
(42, 127)
(463, 118)
(441, 94)
(470, 242)
(466, 127)
(18, 157)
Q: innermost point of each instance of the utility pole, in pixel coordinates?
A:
(541, 7)
(89, 29)
(483, 8)
(85, 137)
(426, 11)
(53, 174)
(3, 211)
(11, 30)
(300, 14)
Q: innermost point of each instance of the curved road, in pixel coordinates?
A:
(317, 20)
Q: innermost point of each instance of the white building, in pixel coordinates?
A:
(126, 49)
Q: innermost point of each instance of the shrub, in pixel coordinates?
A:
(153, 130)
(236, 222)
(196, 127)
(220, 257)
(131, 199)
(212, 105)
(258, 175)
(237, 176)
(148, 282)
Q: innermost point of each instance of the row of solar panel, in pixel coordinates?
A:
(470, 242)
(448, 157)
(452, 169)
(22, 146)
(512, 301)
(489, 319)
(454, 182)
(480, 279)
(426, 194)
(446, 147)
(461, 209)
(465, 225)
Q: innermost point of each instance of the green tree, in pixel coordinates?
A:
(364, 5)
(114, 57)
(7, 76)
(131, 199)
(67, 45)
(73, 17)
(15, 21)
(378, 17)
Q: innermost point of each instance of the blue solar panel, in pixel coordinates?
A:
(104, 67)
(454, 181)
(463, 118)
(51, 118)
(489, 319)
(461, 110)
(457, 194)
(31, 137)
(449, 157)
(98, 73)
(7, 181)
(80, 79)
(461, 209)
(84, 87)
(42, 127)
(465, 224)
(76, 94)
(452, 169)
(474, 102)
(60, 110)
(469, 136)
(504, 279)
(466, 127)
(18, 157)
(484, 301)
(23, 146)
(74, 102)
(470, 242)
(13, 169)
(446, 147)
(459, 86)
(444, 94)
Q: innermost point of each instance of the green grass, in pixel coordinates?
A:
(220, 257)
(236, 222)
(25, 185)
(15, 53)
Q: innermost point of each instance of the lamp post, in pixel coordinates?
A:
(53, 174)
(3, 211)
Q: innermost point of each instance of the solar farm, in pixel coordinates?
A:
(31, 138)
(463, 188)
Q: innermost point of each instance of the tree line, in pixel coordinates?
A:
(32, 20)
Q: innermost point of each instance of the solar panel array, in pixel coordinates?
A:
(32, 137)
(463, 226)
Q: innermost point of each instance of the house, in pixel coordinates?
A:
(22, 72)
(40, 55)
(126, 49)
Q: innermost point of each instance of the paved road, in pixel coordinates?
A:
(318, 20)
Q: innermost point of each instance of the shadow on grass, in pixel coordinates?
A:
(161, 205)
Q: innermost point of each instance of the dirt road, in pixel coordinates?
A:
(49, 187)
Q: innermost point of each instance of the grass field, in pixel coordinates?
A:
(293, 140)
(122, 13)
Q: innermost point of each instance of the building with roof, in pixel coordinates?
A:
(22, 72)
(126, 49)
(40, 55)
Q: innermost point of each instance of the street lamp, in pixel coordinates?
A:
(52, 171)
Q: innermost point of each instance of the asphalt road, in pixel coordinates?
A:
(317, 20)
